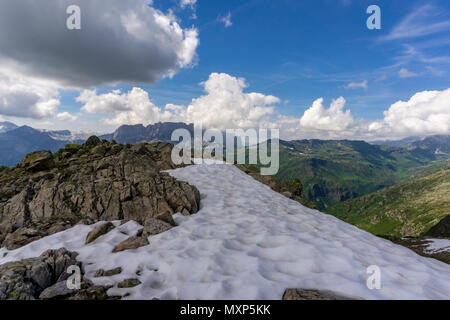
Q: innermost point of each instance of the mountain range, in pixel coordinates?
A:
(331, 171)
(337, 170)
(132, 134)
(16, 142)
(7, 126)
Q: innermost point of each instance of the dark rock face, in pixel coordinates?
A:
(98, 181)
(58, 290)
(441, 230)
(45, 278)
(302, 294)
(27, 279)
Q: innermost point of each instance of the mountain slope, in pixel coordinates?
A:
(396, 143)
(16, 143)
(437, 144)
(406, 209)
(333, 171)
(7, 126)
(248, 242)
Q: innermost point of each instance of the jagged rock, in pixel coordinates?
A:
(92, 142)
(41, 274)
(155, 226)
(56, 228)
(166, 217)
(58, 290)
(21, 237)
(108, 273)
(89, 291)
(129, 283)
(98, 181)
(45, 277)
(303, 294)
(440, 230)
(131, 243)
(99, 231)
(287, 194)
(27, 279)
(38, 161)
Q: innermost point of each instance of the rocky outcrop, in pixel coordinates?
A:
(99, 231)
(129, 283)
(303, 294)
(131, 243)
(441, 230)
(21, 237)
(107, 273)
(155, 226)
(27, 279)
(45, 278)
(96, 181)
(38, 161)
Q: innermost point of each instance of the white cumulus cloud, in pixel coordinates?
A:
(133, 107)
(335, 118)
(427, 112)
(66, 116)
(224, 105)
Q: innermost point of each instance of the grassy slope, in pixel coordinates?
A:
(406, 209)
(333, 171)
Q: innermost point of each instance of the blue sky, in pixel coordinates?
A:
(302, 50)
(299, 51)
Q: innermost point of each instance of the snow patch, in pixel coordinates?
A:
(249, 242)
(437, 245)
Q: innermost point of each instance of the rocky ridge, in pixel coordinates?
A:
(97, 181)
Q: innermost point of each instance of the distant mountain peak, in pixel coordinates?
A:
(7, 126)
(161, 131)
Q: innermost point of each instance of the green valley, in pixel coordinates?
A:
(332, 171)
(407, 209)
